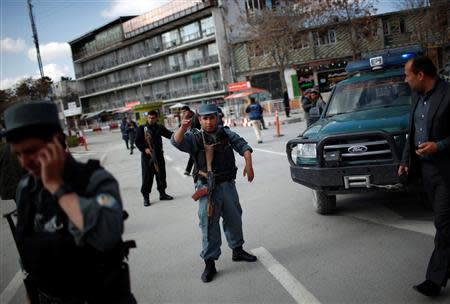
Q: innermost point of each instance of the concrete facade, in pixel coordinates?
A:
(176, 53)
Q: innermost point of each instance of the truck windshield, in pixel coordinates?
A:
(375, 93)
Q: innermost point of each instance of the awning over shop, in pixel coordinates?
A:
(122, 110)
(177, 105)
(246, 93)
(91, 114)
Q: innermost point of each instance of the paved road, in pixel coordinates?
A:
(372, 251)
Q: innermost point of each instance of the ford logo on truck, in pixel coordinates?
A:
(357, 149)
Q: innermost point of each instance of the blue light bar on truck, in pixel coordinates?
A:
(379, 62)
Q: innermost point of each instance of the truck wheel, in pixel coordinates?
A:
(325, 204)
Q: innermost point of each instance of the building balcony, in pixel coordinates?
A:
(137, 57)
(397, 39)
(149, 75)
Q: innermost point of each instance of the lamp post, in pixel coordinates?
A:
(149, 65)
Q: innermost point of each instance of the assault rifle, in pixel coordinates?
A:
(209, 175)
(29, 287)
(153, 160)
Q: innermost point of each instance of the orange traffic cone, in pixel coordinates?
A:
(277, 125)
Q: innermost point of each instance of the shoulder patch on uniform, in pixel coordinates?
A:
(106, 200)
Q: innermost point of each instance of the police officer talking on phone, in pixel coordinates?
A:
(69, 216)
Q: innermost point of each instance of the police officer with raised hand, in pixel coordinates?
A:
(222, 200)
(427, 153)
(70, 216)
(149, 142)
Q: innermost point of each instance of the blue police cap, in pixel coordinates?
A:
(207, 109)
(28, 114)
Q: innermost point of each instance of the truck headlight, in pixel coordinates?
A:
(294, 153)
(307, 151)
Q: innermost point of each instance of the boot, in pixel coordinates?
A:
(428, 288)
(163, 196)
(146, 200)
(209, 272)
(240, 254)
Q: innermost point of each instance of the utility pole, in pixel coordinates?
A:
(35, 38)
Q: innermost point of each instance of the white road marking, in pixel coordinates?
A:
(11, 290)
(103, 159)
(179, 171)
(269, 151)
(424, 227)
(286, 279)
(168, 158)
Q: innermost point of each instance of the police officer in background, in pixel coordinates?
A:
(225, 197)
(149, 142)
(70, 216)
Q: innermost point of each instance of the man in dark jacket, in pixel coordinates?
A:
(69, 216)
(149, 142)
(123, 130)
(427, 153)
(131, 131)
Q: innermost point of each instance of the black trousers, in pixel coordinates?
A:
(190, 164)
(149, 171)
(132, 137)
(437, 188)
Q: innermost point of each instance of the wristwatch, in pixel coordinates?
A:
(62, 190)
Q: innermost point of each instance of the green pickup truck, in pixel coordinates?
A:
(357, 142)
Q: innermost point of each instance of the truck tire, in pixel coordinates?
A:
(324, 203)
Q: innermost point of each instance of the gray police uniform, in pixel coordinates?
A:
(226, 199)
(65, 264)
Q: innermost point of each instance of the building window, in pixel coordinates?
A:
(207, 26)
(175, 62)
(212, 49)
(198, 79)
(254, 50)
(194, 57)
(395, 26)
(190, 32)
(301, 41)
(170, 39)
(327, 37)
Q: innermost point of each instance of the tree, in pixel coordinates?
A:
(432, 32)
(30, 89)
(356, 15)
(7, 98)
(276, 31)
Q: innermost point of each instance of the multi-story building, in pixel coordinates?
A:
(65, 93)
(175, 53)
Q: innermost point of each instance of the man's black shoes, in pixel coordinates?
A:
(209, 272)
(165, 197)
(240, 254)
(146, 201)
(428, 288)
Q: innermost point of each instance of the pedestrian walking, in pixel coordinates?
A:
(212, 149)
(311, 99)
(427, 153)
(149, 142)
(287, 107)
(254, 112)
(123, 130)
(69, 216)
(131, 131)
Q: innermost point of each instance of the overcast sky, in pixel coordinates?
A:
(57, 22)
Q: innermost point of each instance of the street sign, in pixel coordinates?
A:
(238, 86)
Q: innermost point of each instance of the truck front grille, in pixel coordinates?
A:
(357, 152)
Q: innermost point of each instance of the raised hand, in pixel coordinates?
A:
(52, 158)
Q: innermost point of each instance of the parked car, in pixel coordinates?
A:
(356, 145)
